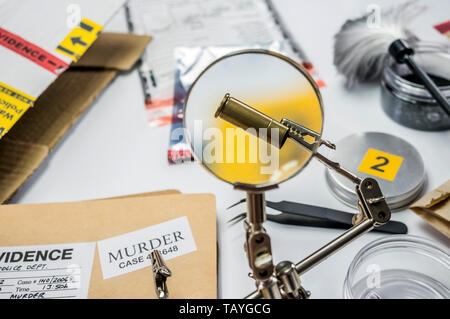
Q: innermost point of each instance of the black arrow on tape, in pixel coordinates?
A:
(77, 40)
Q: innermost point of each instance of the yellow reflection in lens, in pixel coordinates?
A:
(291, 156)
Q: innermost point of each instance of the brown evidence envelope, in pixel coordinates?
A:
(194, 275)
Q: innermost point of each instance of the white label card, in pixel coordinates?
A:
(130, 252)
(46, 271)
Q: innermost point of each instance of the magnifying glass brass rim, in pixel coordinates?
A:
(267, 185)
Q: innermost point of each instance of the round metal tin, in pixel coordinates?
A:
(366, 154)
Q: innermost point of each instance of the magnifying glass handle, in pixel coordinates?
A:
(403, 53)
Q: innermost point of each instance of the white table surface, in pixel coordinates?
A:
(112, 151)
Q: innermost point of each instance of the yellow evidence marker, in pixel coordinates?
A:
(380, 164)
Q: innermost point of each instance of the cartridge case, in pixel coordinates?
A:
(244, 116)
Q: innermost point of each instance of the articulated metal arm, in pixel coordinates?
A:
(373, 212)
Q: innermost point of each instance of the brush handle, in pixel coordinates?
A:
(403, 53)
(429, 84)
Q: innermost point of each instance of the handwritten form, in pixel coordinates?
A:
(46, 271)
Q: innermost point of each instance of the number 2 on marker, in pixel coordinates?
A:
(380, 164)
(377, 167)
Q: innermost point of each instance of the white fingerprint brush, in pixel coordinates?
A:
(362, 45)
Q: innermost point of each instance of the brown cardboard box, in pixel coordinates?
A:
(31, 139)
(434, 208)
(194, 275)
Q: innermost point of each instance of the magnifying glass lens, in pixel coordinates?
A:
(269, 83)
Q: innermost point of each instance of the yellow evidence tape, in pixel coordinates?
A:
(79, 39)
(13, 104)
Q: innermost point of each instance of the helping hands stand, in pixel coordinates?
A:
(283, 281)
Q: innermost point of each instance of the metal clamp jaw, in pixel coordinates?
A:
(298, 134)
(160, 274)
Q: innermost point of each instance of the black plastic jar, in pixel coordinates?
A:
(407, 102)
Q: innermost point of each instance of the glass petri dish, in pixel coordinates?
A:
(399, 267)
(268, 82)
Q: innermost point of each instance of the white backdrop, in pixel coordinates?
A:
(112, 151)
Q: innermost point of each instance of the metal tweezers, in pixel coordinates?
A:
(314, 216)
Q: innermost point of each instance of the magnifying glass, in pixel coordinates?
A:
(273, 85)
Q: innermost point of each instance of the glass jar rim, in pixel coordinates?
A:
(406, 89)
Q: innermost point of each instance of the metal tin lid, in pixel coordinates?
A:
(393, 162)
